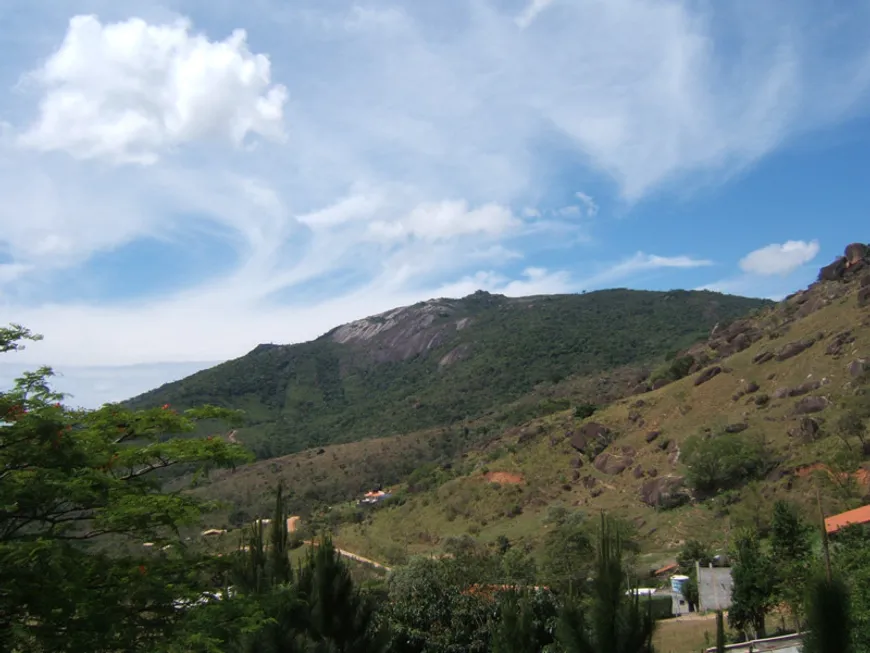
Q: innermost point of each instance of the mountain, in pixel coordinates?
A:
(442, 361)
(773, 405)
(776, 405)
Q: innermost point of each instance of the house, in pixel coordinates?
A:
(375, 496)
(857, 516)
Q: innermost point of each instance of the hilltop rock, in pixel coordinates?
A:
(833, 271)
(856, 253)
(810, 405)
(665, 492)
(708, 374)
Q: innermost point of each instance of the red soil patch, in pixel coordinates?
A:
(862, 475)
(505, 478)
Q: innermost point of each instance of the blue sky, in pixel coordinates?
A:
(184, 180)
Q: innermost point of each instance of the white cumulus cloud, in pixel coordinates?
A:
(131, 90)
(781, 258)
(642, 262)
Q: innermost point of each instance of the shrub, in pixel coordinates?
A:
(584, 410)
(724, 462)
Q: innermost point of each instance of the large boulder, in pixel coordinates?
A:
(739, 427)
(665, 492)
(591, 438)
(856, 253)
(794, 348)
(612, 465)
(811, 404)
(858, 367)
(807, 430)
(708, 374)
(864, 297)
(804, 388)
(839, 341)
(833, 271)
(762, 357)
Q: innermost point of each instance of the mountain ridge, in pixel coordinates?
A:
(442, 361)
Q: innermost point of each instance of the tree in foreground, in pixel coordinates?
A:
(828, 618)
(615, 621)
(80, 492)
(754, 585)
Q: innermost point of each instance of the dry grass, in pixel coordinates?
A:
(678, 410)
(685, 634)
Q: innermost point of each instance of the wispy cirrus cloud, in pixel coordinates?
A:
(336, 160)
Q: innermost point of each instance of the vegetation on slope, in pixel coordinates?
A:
(440, 362)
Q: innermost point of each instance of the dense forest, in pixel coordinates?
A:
(443, 361)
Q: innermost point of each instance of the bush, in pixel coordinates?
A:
(724, 462)
(584, 410)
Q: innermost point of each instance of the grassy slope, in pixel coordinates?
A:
(471, 505)
(323, 392)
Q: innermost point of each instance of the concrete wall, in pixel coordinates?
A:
(714, 588)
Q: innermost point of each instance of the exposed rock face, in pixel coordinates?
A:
(708, 374)
(856, 253)
(591, 438)
(794, 348)
(665, 492)
(807, 430)
(810, 405)
(403, 333)
(459, 353)
(833, 271)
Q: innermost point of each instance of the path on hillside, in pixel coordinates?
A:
(354, 556)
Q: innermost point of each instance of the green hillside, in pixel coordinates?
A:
(442, 361)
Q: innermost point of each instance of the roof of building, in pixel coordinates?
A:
(857, 516)
(666, 569)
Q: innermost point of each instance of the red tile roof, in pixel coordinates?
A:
(857, 516)
(665, 569)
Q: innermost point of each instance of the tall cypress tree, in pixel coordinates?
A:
(617, 623)
(720, 632)
(828, 618)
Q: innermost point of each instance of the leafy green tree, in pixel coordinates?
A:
(80, 491)
(439, 606)
(850, 551)
(754, 585)
(691, 552)
(724, 462)
(828, 618)
(614, 621)
(791, 552)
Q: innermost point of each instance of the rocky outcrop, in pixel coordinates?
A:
(652, 435)
(839, 342)
(708, 374)
(807, 430)
(612, 465)
(739, 427)
(665, 492)
(855, 258)
(858, 368)
(804, 388)
(810, 405)
(762, 357)
(591, 438)
(794, 348)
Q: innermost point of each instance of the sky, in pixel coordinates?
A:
(183, 180)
